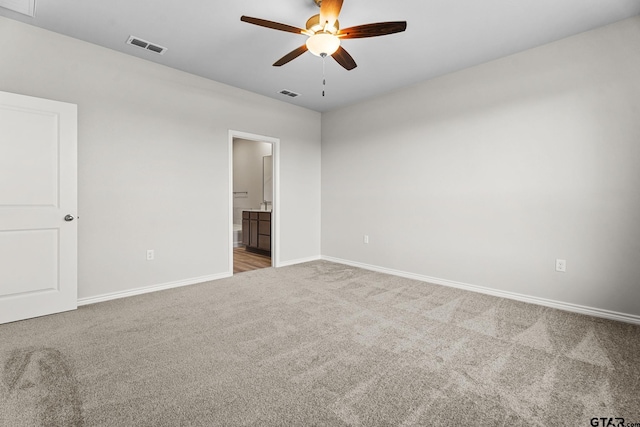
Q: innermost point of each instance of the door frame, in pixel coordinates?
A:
(275, 206)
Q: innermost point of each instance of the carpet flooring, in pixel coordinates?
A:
(317, 344)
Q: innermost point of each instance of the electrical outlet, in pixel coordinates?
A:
(561, 265)
(150, 255)
(366, 239)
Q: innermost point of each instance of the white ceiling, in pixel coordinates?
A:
(207, 38)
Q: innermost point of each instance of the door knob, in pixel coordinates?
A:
(69, 218)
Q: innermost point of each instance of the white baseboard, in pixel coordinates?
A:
(575, 308)
(152, 288)
(298, 261)
(180, 283)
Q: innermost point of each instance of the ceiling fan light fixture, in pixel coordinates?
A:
(323, 44)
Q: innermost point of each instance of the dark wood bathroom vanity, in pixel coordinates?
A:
(256, 231)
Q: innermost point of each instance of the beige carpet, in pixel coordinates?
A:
(317, 344)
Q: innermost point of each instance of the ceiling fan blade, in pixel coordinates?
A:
(329, 11)
(271, 24)
(343, 58)
(291, 56)
(373, 30)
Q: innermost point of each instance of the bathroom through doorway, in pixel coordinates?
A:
(253, 198)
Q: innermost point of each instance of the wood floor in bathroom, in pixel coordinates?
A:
(247, 261)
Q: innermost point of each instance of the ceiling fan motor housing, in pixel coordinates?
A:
(314, 25)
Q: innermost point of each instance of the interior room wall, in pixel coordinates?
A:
(154, 160)
(247, 175)
(485, 177)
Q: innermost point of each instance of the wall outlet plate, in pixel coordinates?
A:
(561, 265)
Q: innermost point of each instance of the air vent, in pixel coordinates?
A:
(26, 7)
(135, 41)
(138, 43)
(156, 49)
(289, 93)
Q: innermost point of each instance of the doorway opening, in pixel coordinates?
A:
(253, 166)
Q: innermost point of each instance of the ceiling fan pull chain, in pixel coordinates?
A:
(324, 80)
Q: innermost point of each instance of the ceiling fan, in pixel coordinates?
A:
(325, 34)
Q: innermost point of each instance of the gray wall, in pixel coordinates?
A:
(153, 160)
(486, 176)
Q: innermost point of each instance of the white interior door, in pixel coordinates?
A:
(38, 189)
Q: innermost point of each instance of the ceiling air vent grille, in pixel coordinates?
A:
(26, 7)
(289, 93)
(135, 41)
